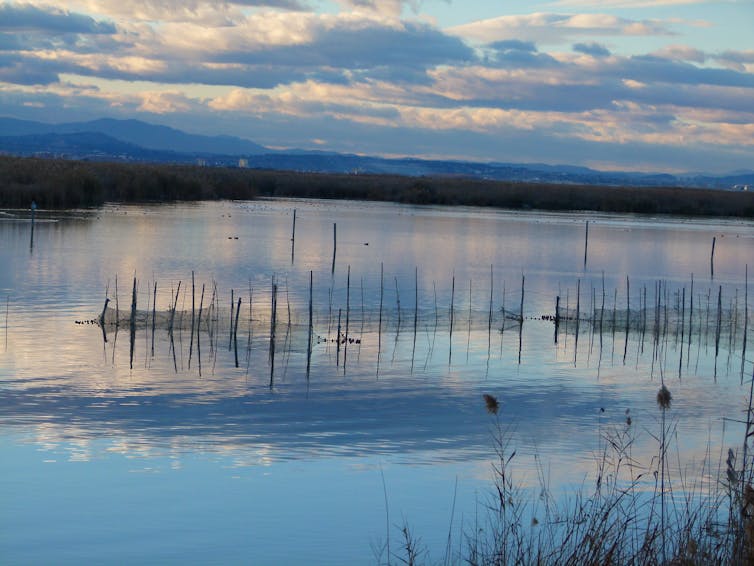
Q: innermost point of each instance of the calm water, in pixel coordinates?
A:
(178, 453)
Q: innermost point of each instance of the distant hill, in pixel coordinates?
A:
(148, 136)
(82, 143)
(133, 140)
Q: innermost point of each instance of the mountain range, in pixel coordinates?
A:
(134, 140)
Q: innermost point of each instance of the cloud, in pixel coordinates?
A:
(388, 7)
(513, 45)
(742, 61)
(549, 28)
(603, 4)
(681, 53)
(199, 11)
(593, 49)
(26, 17)
(370, 76)
(15, 72)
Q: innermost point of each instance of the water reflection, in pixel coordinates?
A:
(256, 351)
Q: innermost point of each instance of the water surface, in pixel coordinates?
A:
(178, 453)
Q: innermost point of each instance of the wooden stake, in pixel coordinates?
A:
(523, 280)
(586, 242)
(379, 324)
(311, 325)
(175, 306)
(293, 236)
(133, 325)
(557, 317)
(348, 316)
(235, 328)
(230, 328)
(154, 313)
(746, 318)
(334, 244)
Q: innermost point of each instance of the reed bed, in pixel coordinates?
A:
(628, 512)
(57, 183)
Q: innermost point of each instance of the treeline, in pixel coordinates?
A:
(57, 184)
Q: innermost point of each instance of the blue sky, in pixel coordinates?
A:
(664, 85)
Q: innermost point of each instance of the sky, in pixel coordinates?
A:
(634, 85)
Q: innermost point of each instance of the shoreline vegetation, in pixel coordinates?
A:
(65, 184)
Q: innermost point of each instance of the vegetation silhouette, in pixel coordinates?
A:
(61, 184)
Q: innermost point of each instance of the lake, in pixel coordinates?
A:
(239, 439)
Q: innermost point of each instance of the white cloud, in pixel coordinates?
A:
(604, 4)
(207, 12)
(681, 53)
(550, 28)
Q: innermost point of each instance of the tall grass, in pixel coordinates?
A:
(629, 512)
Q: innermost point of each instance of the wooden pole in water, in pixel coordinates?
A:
(133, 307)
(578, 320)
(398, 303)
(521, 320)
(175, 306)
(523, 280)
(746, 319)
(557, 317)
(337, 341)
(691, 321)
(712, 259)
(450, 334)
(133, 324)
(416, 314)
(311, 325)
(199, 317)
(7, 306)
(101, 316)
(193, 316)
(273, 326)
(230, 328)
(586, 242)
(452, 301)
(154, 313)
(719, 318)
(468, 335)
(235, 329)
(348, 316)
(683, 330)
(293, 236)
(334, 244)
(416, 299)
(379, 324)
(628, 318)
(117, 309)
(489, 319)
(33, 214)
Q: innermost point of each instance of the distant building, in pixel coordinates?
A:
(243, 163)
(201, 162)
(741, 187)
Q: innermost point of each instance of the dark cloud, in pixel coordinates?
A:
(392, 54)
(15, 69)
(737, 56)
(593, 49)
(513, 59)
(652, 69)
(26, 17)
